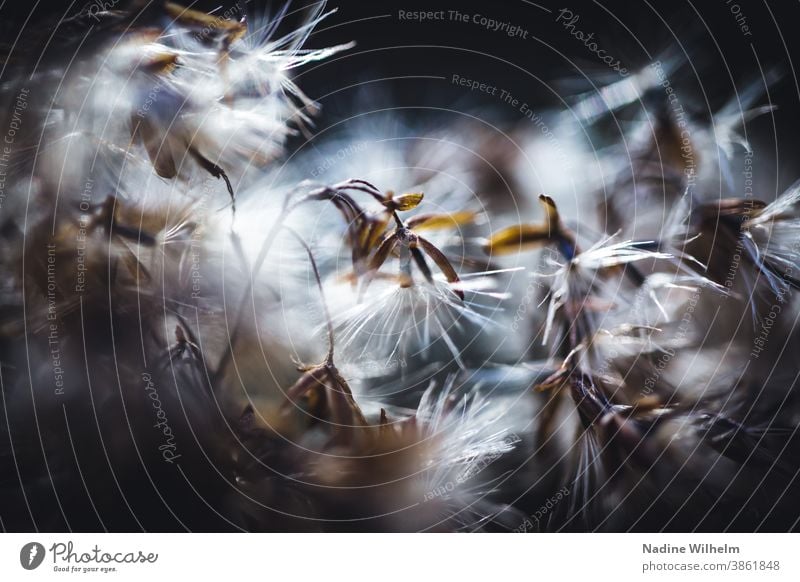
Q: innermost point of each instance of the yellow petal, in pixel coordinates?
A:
(518, 237)
(407, 201)
(160, 63)
(444, 220)
(551, 211)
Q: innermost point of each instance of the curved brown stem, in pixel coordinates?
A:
(328, 320)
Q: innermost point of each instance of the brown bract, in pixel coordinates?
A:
(372, 245)
(418, 246)
(530, 236)
(324, 383)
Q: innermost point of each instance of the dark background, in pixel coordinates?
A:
(392, 65)
(551, 66)
(387, 68)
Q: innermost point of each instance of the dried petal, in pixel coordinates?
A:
(444, 220)
(199, 19)
(516, 238)
(441, 261)
(404, 201)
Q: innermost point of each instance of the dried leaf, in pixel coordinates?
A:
(419, 259)
(553, 220)
(404, 201)
(441, 261)
(383, 251)
(159, 148)
(160, 64)
(746, 207)
(444, 220)
(518, 237)
(387, 246)
(199, 19)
